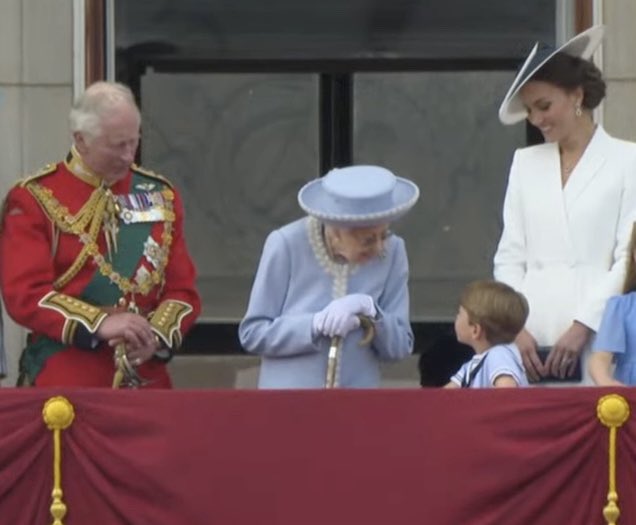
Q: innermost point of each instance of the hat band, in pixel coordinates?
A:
(360, 206)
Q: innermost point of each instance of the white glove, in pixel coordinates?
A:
(340, 316)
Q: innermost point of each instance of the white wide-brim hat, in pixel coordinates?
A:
(358, 196)
(582, 46)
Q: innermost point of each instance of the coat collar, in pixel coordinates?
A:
(76, 165)
(587, 168)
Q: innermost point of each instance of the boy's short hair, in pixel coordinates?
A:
(498, 308)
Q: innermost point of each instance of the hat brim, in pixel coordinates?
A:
(315, 201)
(582, 46)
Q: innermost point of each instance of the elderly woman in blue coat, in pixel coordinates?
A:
(318, 276)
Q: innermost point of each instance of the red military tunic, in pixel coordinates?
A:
(63, 233)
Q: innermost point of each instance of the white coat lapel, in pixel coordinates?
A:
(549, 192)
(587, 168)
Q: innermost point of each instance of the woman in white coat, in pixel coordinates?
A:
(569, 206)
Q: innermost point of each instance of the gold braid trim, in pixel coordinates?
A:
(60, 215)
(49, 168)
(68, 331)
(74, 310)
(92, 215)
(166, 321)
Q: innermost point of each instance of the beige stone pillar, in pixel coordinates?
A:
(36, 80)
(619, 67)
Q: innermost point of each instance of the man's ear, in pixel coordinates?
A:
(80, 142)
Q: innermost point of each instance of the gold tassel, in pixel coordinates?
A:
(612, 411)
(58, 414)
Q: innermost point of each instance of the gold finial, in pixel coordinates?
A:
(58, 414)
(612, 411)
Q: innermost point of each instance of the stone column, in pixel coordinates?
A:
(619, 67)
(36, 79)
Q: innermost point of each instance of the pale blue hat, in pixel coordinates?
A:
(358, 196)
(582, 46)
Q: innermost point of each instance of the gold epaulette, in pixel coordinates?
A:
(46, 170)
(151, 174)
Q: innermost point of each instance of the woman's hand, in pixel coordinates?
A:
(528, 348)
(562, 360)
(340, 316)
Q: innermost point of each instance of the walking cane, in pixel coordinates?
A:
(335, 349)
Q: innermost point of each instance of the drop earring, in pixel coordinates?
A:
(578, 112)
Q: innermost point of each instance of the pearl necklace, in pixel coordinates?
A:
(339, 272)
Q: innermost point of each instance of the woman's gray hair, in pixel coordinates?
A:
(98, 99)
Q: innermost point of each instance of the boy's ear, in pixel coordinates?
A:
(476, 331)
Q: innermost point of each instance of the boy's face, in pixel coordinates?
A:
(463, 326)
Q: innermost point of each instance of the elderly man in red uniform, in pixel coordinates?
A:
(92, 257)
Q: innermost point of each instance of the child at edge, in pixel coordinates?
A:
(490, 316)
(615, 342)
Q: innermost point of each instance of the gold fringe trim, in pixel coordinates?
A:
(58, 414)
(612, 411)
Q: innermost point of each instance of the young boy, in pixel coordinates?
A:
(490, 316)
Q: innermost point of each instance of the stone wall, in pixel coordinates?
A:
(36, 83)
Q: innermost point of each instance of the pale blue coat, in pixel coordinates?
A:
(291, 286)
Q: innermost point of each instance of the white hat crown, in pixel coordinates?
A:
(582, 46)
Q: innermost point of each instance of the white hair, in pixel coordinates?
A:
(98, 99)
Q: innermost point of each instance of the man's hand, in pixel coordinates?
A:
(134, 331)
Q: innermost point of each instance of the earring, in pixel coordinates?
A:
(578, 111)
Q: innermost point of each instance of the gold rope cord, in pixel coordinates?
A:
(92, 215)
(612, 411)
(58, 414)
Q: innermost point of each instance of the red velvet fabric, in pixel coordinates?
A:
(74, 367)
(456, 457)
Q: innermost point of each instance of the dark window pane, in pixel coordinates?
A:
(330, 29)
(238, 146)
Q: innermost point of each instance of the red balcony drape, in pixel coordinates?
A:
(385, 457)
